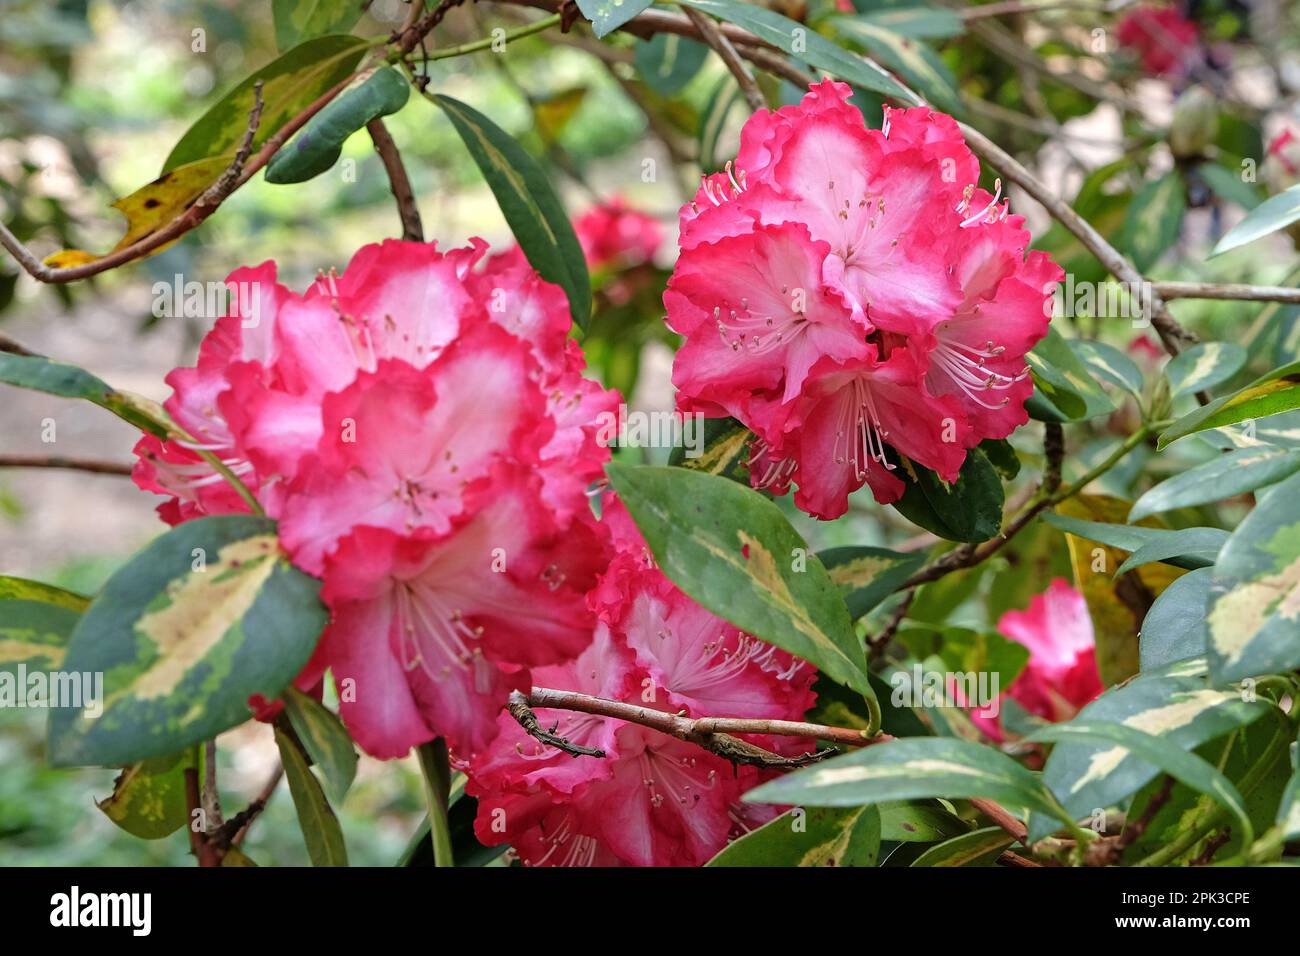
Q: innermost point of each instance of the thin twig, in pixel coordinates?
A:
(1212, 846)
(204, 849)
(1007, 858)
(1174, 337)
(517, 705)
(1012, 7)
(1227, 291)
(724, 48)
(15, 348)
(234, 830)
(714, 734)
(229, 179)
(1002, 817)
(211, 796)
(187, 220)
(407, 210)
(876, 645)
(73, 464)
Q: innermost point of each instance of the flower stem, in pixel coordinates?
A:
(435, 766)
(444, 53)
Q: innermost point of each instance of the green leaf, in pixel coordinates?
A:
(915, 62)
(1228, 185)
(1224, 476)
(1203, 366)
(1182, 549)
(909, 768)
(1179, 763)
(1175, 704)
(970, 509)
(1254, 610)
(21, 589)
(1002, 456)
(732, 550)
(725, 450)
(918, 821)
(1271, 394)
(35, 635)
(529, 204)
(1174, 628)
(320, 828)
(607, 15)
(318, 146)
(977, 848)
(290, 84)
(866, 575)
(325, 739)
(203, 618)
(1288, 809)
(1064, 380)
(299, 20)
(1153, 220)
(820, 836)
(922, 23)
(68, 381)
(1177, 546)
(802, 43)
(1274, 213)
(1110, 363)
(668, 62)
(965, 651)
(149, 798)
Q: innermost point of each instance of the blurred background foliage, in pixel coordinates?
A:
(93, 93)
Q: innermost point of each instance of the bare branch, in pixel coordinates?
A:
(1227, 291)
(14, 348)
(518, 707)
(714, 734)
(407, 210)
(723, 47)
(191, 217)
(72, 464)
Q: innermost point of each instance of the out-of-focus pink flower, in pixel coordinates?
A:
(653, 800)
(421, 428)
(1061, 675)
(1166, 42)
(1281, 168)
(851, 295)
(614, 235)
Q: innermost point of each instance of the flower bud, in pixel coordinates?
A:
(1195, 123)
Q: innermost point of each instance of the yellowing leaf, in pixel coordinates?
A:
(1117, 606)
(150, 208)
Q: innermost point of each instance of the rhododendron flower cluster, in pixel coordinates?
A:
(421, 429)
(851, 295)
(614, 235)
(654, 799)
(1061, 674)
(1166, 43)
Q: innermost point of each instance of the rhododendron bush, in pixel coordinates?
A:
(870, 476)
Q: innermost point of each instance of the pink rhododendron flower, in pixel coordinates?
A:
(1061, 675)
(1166, 42)
(654, 800)
(421, 428)
(1282, 164)
(852, 295)
(614, 235)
